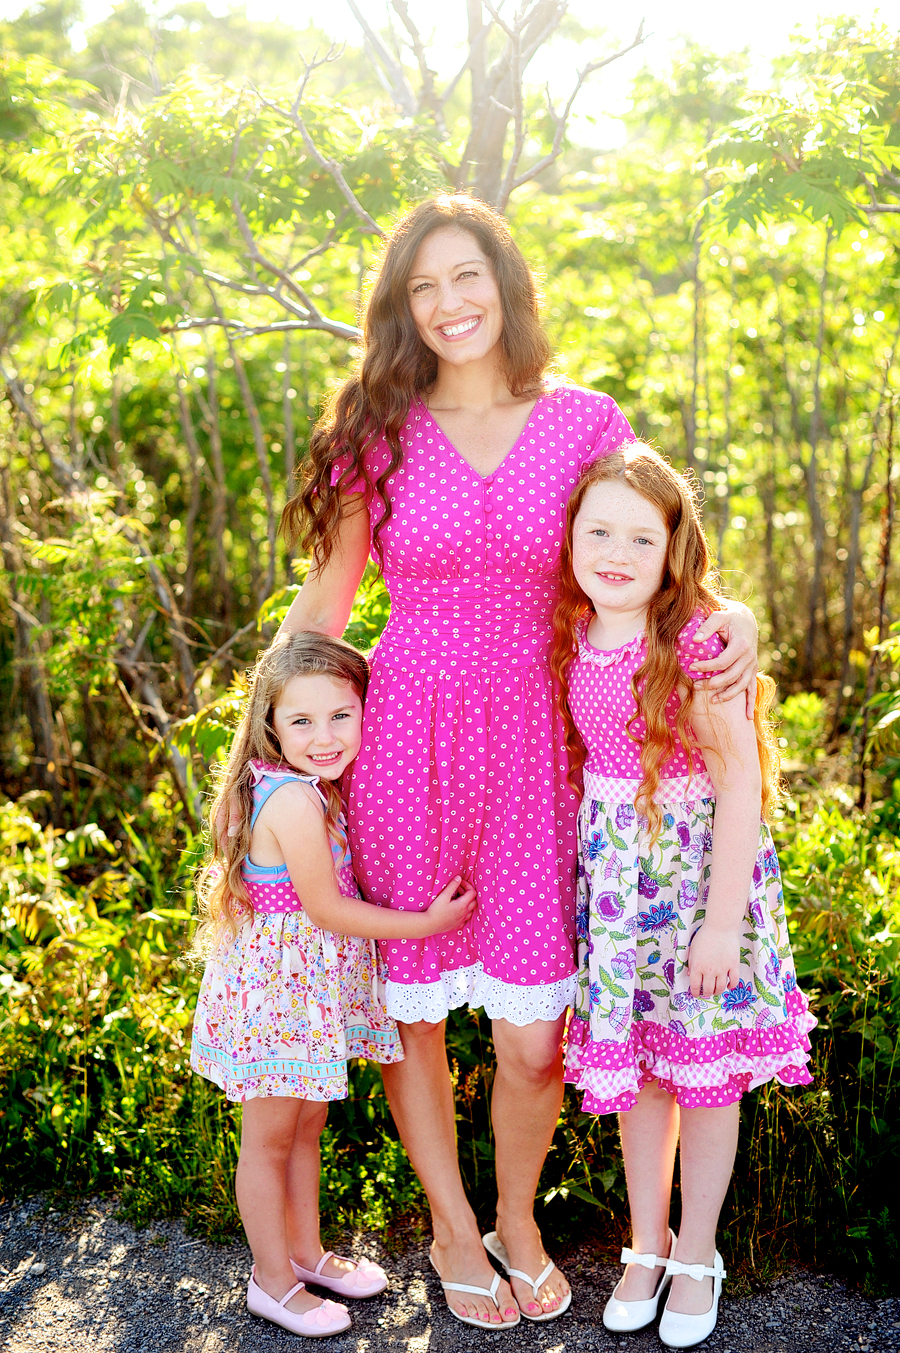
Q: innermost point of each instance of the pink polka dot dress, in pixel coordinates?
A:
(462, 768)
(285, 1004)
(640, 905)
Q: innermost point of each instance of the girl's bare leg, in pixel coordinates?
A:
(421, 1098)
(649, 1135)
(528, 1091)
(708, 1147)
(268, 1141)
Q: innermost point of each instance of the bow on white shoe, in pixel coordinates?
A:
(645, 1260)
(696, 1271)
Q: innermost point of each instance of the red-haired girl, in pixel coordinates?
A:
(686, 989)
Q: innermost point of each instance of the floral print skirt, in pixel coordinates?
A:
(284, 1006)
(635, 1020)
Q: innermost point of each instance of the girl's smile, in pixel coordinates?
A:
(318, 722)
(619, 549)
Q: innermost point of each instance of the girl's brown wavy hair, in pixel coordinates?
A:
(224, 901)
(395, 366)
(689, 584)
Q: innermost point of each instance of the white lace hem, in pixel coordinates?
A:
(432, 1001)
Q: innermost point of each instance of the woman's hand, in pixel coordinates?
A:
(713, 960)
(449, 911)
(735, 668)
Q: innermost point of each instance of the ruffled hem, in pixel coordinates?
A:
(472, 986)
(706, 1072)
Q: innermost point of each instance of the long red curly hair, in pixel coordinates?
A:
(689, 584)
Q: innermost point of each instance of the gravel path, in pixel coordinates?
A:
(84, 1282)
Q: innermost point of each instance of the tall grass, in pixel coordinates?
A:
(95, 1010)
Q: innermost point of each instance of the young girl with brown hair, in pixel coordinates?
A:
(686, 989)
(288, 993)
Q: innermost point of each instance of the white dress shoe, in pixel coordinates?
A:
(624, 1317)
(676, 1328)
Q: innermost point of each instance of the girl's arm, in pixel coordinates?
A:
(325, 600)
(735, 667)
(728, 743)
(294, 821)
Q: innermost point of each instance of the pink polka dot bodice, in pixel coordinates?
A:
(602, 702)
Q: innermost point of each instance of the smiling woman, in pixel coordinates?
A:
(450, 456)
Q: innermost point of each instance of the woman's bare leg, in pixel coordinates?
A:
(528, 1091)
(420, 1094)
(708, 1147)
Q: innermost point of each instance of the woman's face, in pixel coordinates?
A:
(454, 298)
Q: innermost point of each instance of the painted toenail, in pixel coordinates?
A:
(533, 1306)
(510, 1310)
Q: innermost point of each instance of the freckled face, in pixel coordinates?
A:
(454, 298)
(318, 722)
(619, 548)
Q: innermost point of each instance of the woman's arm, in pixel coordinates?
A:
(735, 667)
(325, 600)
(728, 743)
(296, 823)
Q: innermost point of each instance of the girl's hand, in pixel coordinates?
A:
(449, 911)
(735, 667)
(713, 960)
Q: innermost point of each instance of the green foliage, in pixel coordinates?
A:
(143, 466)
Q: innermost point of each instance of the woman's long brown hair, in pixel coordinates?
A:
(689, 584)
(395, 366)
(224, 901)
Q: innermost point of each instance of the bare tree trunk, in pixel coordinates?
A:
(290, 436)
(884, 562)
(195, 458)
(29, 663)
(218, 524)
(811, 476)
(690, 427)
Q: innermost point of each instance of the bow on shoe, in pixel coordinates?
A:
(644, 1260)
(695, 1271)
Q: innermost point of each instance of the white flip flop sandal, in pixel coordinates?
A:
(489, 1292)
(495, 1247)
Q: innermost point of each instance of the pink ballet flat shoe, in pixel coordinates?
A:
(365, 1280)
(329, 1318)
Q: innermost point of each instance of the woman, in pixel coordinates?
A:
(450, 458)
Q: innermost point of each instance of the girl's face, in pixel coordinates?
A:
(619, 547)
(318, 721)
(454, 298)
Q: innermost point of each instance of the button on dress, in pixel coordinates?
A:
(462, 768)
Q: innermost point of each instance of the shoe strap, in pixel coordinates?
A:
(476, 1291)
(293, 1292)
(674, 1267)
(329, 1254)
(534, 1283)
(645, 1260)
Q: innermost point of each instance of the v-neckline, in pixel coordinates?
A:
(483, 478)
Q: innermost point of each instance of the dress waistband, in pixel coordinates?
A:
(678, 789)
(437, 625)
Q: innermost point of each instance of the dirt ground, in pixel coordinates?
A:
(86, 1282)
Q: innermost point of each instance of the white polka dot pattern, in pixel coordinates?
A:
(462, 767)
(601, 701)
